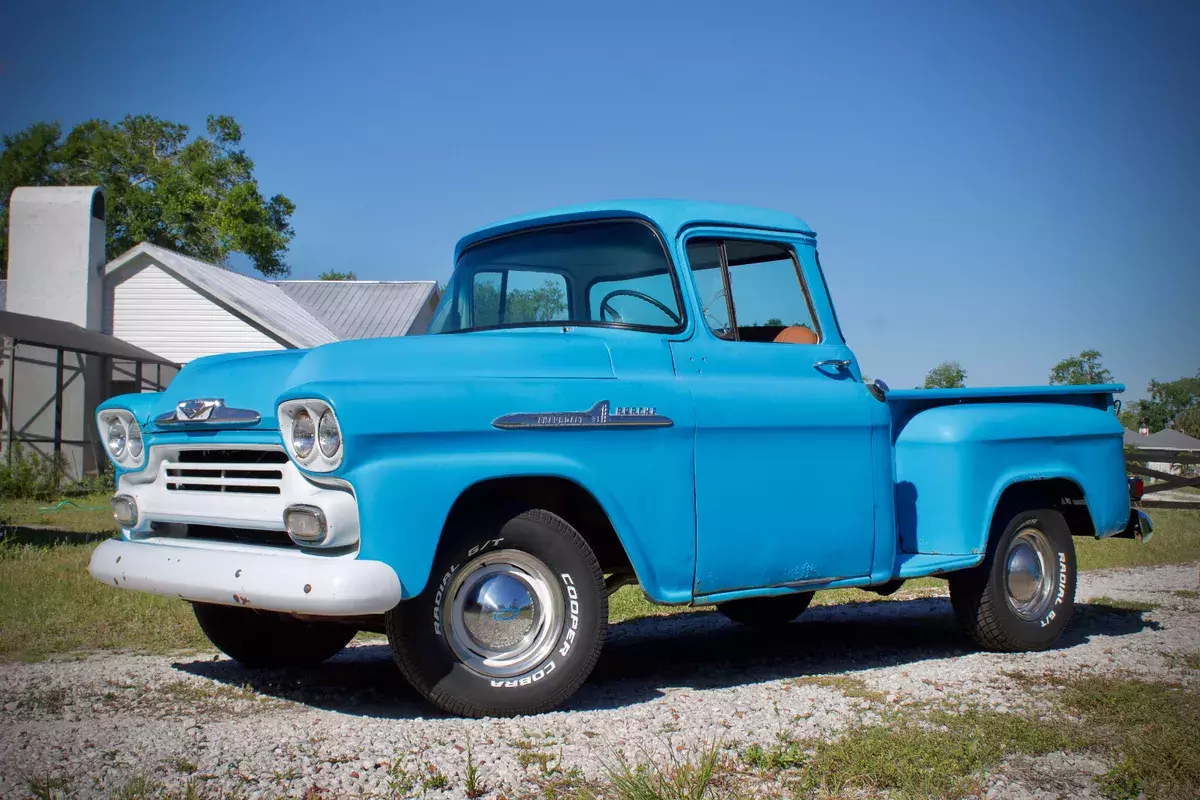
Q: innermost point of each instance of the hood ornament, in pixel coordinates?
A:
(207, 410)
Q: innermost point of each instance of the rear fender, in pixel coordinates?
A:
(955, 463)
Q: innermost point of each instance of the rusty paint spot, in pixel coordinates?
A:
(241, 601)
(307, 588)
(237, 574)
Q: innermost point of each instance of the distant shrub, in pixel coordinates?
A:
(30, 475)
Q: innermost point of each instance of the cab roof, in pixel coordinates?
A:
(671, 216)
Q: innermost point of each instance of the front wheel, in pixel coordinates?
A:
(511, 621)
(766, 612)
(270, 639)
(1022, 596)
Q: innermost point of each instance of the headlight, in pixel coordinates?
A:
(304, 433)
(122, 437)
(311, 432)
(117, 437)
(329, 435)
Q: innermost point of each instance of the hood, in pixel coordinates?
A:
(256, 380)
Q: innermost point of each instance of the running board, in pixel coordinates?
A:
(917, 565)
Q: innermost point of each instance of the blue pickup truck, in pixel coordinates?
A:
(655, 392)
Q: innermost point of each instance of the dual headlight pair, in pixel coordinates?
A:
(122, 437)
(311, 432)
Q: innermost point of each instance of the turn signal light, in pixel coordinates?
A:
(1137, 487)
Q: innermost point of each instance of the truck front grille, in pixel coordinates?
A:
(243, 471)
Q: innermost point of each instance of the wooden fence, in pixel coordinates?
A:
(1137, 463)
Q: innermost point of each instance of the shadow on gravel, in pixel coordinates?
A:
(700, 650)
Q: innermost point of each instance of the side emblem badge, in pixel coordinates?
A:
(598, 416)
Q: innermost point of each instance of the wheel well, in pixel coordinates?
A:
(560, 496)
(1060, 494)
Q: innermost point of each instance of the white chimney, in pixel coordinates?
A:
(56, 253)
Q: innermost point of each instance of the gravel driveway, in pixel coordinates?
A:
(353, 727)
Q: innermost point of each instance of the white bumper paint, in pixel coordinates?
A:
(247, 576)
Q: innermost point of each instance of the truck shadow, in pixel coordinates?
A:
(700, 650)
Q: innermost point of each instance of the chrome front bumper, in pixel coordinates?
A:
(253, 577)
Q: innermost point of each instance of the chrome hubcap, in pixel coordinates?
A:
(504, 613)
(1030, 574)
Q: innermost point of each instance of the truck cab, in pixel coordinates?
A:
(647, 391)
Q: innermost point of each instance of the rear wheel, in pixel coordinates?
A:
(511, 621)
(270, 639)
(766, 612)
(1023, 595)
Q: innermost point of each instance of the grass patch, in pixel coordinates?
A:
(50, 604)
(1187, 594)
(942, 755)
(1176, 540)
(1122, 605)
(1186, 660)
(847, 685)
(1150, 730)
(699, 773)
(87, 514)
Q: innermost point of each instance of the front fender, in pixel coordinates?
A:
(953, 464)
(405, 498)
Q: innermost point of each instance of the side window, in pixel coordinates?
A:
(760, 288)
(518, 296)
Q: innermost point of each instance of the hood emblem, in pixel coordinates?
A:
(196, 410)
(598, 416)
(208, 410)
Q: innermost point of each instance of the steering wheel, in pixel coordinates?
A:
(604, 306)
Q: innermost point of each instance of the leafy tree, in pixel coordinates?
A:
(1080, 370)
(334, 275)
(197, 196)
(1188, 421)
(547, 302)
(773, 321)
(947, 375)
(1167, 402)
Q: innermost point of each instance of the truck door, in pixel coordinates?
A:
(785, 473)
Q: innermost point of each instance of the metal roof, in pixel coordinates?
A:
(671, 216)
(45, 332)
(362, 309)
(262, 302)
(1163, 440)
(3, 295)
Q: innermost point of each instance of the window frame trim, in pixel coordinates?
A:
(727, 283)
(672, 270)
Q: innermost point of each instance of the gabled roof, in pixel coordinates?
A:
(1163, 440)
(670, 215)
(261, 302)
(362, 309)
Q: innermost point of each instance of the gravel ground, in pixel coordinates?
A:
(353, 727)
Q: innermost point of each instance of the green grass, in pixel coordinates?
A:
(939, 755)
(1122, 605)
(1176, 540)
(51, 605)
(1148, 729)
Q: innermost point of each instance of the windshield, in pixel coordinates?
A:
(612, 273)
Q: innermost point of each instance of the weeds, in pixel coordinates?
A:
(49, 788)
(693, 776)
(436, 778)
(1122, 605)
(475, 787)
(848, 686)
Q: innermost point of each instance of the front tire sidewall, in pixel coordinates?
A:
(416, 629)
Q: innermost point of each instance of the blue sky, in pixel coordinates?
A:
(1002, 185)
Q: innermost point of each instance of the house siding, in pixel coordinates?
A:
(154, 310)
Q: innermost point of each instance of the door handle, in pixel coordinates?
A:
(840, 363)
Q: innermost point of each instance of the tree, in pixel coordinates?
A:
(334, 275)
(520, 305)
(198, 196)
(1168, 401)
(947, 375)
(1079, 370)
(1188, 421)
